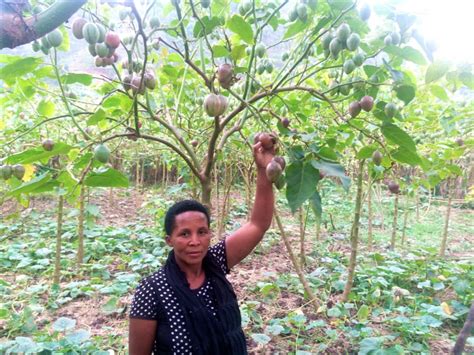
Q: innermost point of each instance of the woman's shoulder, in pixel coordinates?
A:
(218, 253)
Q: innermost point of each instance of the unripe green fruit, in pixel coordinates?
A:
(388, 40)
(364, 12)
(302, 12)
(45, 43)
(358, 83)
(127, 81)
(374, 79)
(367, 103)
(273, 171)
(377, 158)
(349, 66)
(395, 38)
(261, 68)
(358, 59)
(101, 33)
(102, 153)
(285, 56)
(92, 51)
(335, 47)
(354, 109)
(6, 172)
(280, 183)
(343, 32)
(154, 22)
(353, 42)
(293, 15)
(36, 46)
(269, 67)
(326, 40)
(55, 38)
(102, 50)
(247, 5)
(90, 33)
(77, 27)
(390, 110)
(18, 171)
(123, 14)
(205, 3)
(44, 50)
(48, 145)
(345, 89)
(260, 50)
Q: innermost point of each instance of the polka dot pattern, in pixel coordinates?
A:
(154, 299)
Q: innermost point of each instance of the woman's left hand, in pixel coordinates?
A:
(263, 156)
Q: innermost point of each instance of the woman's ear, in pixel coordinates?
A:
(168, 240)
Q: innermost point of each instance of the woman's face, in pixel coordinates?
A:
(190, 237)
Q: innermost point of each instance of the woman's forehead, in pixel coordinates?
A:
(190, 217)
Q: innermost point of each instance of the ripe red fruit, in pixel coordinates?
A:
(273, 171)
(215, 105)
(194, 143)
(459, 142)
(354, 108)
(77, 26)
(377, 158)
(225, 74)
(281, 161)
(112, 39)
(367, 103)
(285, 122)
(393, 187)
(266, 140)
(48, 145)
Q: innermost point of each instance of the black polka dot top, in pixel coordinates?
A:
(154, 299)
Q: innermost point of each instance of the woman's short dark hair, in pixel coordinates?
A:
(181, 207)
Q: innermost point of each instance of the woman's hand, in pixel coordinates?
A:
(263, 156)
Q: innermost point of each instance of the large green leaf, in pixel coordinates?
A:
(37, 154)
(243, 29)
(106, 178)
(82, 78)
(406, 93)
(398, 136)
(295, 28)
(331, 169)
(18, 68)
(439, 92)
(205, 26)
(436, 71)
(31, 185)
(96, 117)
(406, 156)
(46, 108)
(301, 179)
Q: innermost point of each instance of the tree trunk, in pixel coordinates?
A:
(318, 229)
(294, 260)
(16, 30)
(370, 215)
(302, 237)
(206, 190)
(442, 250)
(354, 234)
(80, 228)
(59, 232)
(382, 216)
(395, 222)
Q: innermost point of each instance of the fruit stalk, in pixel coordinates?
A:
(59, 232)
(294, 260)
(354, 234)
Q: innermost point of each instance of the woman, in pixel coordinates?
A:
(188, 306)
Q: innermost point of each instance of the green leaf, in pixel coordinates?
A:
(239, 26)
(436, 71)
(316, 205)
(439, 92)
(220, 51)
(467, 79)
(31, 185)
(260, 338)
(406, 93)
(301, 179)
(65, 45)
(96, 117)
(238, 52)
(363, 313)
(62, 324)
(79, 336)
(18, 68)
(38, 154)
(413, 55)
(205, 26)
(331, 169)
(334, 312)
(46, 108)
(106, 178)
(406, 156)
(81, 78)
(366, 152)
(295, 28)
(398, 136)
